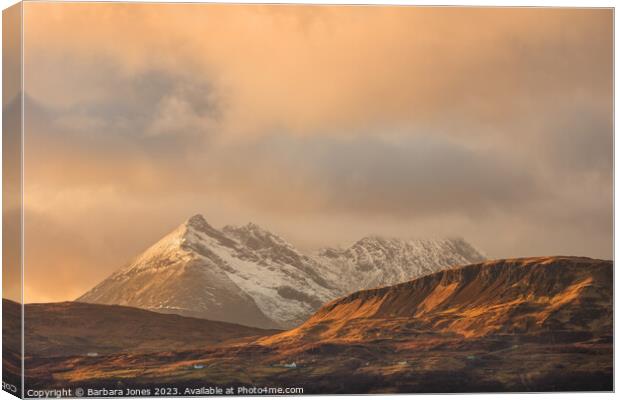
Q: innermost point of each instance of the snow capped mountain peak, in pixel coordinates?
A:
(249, 229)
(249, 275)
(185, 242)
(392, 247)
(198, 222)
(376, 240)
(256, 237)
(380, 261)
(245, 274)
(251, 226)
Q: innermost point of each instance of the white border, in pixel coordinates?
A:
(483, 3)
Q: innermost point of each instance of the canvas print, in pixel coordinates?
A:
(226, 199)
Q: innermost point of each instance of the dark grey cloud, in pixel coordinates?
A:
(415, 176)
(156, 116)
(139, 104)
(581, 141)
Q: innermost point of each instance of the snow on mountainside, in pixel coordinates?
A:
(250, 276)
(199, 271)
(375, 261)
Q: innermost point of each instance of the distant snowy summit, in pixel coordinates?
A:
(376, 261)
(250, 276)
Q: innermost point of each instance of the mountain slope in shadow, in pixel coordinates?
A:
(77, 329)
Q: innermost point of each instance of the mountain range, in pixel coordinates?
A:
(529, 324)
(569, 296)
(251, 276)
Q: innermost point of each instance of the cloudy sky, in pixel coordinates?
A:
(322, 124)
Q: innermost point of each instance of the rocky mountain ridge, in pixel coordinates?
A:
(250, 276)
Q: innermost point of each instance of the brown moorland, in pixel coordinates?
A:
(535, 324)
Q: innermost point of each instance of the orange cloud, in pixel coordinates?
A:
(323, 123)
